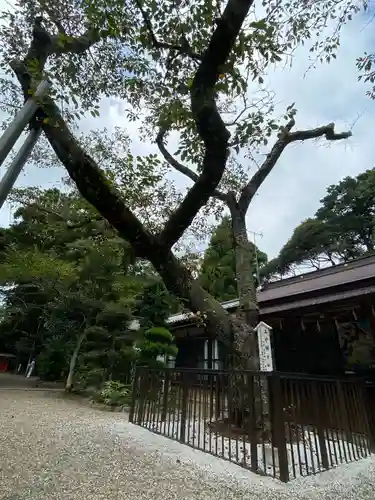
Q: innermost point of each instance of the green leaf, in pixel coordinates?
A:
(259, 25)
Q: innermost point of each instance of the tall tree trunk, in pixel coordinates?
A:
(245, 339)
(233, 332)
(73, 362)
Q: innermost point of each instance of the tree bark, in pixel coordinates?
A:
(73, 362)
(245, 342)
(244, 256)
(233, 332)
(178, 280)
(248, 304)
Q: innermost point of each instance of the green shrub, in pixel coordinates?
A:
(114, 393)
(90, 377)
(157, 341)
(159, 334)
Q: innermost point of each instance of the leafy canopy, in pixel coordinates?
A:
(218, 269)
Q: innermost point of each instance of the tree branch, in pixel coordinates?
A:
(90, 179)
(43, 44)
(182, 168)
(83, 170)
(326, 130)
(285, 137)
(40, 47)
(64, 44)
(93, 185)
(182, 49)
(210, 125)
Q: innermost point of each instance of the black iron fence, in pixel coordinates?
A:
(370, 405)
(273, 424)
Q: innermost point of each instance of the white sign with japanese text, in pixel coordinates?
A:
(264, 344)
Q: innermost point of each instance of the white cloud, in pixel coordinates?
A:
(292, 192)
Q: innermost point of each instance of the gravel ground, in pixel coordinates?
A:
(54, 448)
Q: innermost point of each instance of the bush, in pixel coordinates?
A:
(114, 393)
(159, 334)
(157, 341)
(90, 377)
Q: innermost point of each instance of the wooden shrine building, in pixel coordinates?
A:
(323, 323)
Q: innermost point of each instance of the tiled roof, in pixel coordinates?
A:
(181, 317)
(293, 292)
(343, 274)
(314, 301)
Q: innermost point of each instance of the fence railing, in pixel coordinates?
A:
(273, 424)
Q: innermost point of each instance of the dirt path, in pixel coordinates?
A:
(54, 448)
(11, 381)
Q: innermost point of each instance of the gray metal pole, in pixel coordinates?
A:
(23, 117)
(256, 253)
(10, 177)
(256, 258)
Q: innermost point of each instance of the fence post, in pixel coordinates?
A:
(143, 385)
(165, 396)
(218, 396)
(320, 426)
(278, 421)
(134, 395)
(184, 408)
(252, 424)
(344, 412)
(369, 413)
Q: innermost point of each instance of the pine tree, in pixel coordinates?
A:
(218, 273)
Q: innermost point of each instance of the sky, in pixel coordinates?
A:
(329, 93)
